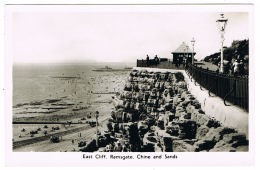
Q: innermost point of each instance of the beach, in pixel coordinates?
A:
(46, 98)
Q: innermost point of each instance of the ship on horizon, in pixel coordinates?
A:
(106, 68)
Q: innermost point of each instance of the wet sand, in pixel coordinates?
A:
(76, 100)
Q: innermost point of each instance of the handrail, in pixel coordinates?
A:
(225, 85)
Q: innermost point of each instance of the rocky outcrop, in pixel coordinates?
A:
(156, 113)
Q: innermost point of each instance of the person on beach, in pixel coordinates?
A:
(118, 147)
(109, 148)
(124, 148)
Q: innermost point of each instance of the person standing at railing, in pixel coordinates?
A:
(147, 61)
(242, 67)
(236, 68)
(156, 60)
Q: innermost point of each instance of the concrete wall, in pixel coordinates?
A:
(231, 116)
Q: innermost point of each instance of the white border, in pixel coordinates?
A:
(186, 159)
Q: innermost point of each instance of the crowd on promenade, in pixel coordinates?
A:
(236, 67)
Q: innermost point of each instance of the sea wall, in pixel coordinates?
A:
(229, 116)
(161, 111)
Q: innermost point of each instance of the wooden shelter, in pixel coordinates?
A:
(182, 53)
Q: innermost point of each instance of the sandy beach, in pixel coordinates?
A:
(68, 98)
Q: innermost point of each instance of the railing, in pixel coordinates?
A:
(228, 87)
(164, 63)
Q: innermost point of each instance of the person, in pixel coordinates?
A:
(236, 67)
(118, 147)
(227, 68)
(147, 61)
(242, 67)
(124, 148)
(184, 63)
(108, 148)
(177, 62)
(156, 60)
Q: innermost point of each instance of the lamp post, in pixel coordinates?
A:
(222, 23)
(97, 115)
(192, 42)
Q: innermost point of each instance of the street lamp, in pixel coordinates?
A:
(97, 115)
(192, 42)
(222, 23)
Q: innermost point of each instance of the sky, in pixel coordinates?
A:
(58, 34)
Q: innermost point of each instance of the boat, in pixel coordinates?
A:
(106, 68)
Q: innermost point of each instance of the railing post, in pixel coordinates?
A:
(232, 90)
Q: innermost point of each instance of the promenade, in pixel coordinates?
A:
(168, 65)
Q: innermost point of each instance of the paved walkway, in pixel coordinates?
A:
(206, 65)
(169, 65)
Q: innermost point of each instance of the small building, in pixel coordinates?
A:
(182, 53)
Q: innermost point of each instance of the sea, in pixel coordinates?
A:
(34, 82)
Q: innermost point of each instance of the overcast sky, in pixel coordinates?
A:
(115, 34)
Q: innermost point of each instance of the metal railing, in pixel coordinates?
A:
(228, 87)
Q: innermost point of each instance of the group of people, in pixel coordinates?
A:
(236, 68)
(239, 68)
(116, 147)
(155, 61)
